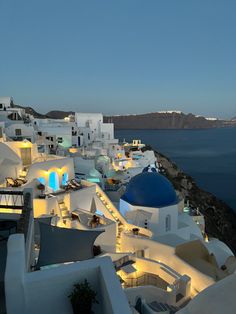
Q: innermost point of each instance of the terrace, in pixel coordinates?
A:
(16, 216)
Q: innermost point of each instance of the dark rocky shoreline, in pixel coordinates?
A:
(220, 219)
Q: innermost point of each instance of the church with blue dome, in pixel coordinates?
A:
(150, 201)
(150, 189)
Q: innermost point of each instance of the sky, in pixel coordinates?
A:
(120, 56)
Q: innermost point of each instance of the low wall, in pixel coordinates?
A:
(46, 291)
(157, 268)
(149, 293)
(166, 255)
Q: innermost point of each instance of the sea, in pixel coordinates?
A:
(208, 155)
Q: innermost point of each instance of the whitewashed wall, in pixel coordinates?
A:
(47, 291)
(166, 254)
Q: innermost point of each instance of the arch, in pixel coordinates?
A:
(53, 181)
(64, 178)
(168, 222)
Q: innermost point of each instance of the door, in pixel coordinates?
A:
(26, 156)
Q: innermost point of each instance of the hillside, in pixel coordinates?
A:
(30, 110)
(155, 120)
(163, 120)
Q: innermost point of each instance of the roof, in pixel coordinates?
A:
(150, 189)
(218, 298)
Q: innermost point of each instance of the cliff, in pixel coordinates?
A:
(162, 120)
(220, 219)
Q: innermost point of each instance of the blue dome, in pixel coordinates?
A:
(150, 189)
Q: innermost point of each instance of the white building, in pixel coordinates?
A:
(150, 203)
(6, 102)
(46, 290)
(93, 128)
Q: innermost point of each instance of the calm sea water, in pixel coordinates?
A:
(209, 156)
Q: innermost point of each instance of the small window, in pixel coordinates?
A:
(18, 132)
(168, 223)
(59, 140)
(1, 106)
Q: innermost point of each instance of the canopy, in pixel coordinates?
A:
(60, 245)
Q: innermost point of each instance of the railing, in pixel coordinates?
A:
(23, 224)
(15, 201)
(145, 280)
(11, 199)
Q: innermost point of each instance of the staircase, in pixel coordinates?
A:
(163, 307)
(64, 210)
(115, 214)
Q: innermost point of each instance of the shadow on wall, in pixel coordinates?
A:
(195, 254)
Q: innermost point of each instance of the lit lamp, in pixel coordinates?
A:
(26, 143)
(169, 288)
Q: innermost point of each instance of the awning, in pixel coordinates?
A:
(60, 245)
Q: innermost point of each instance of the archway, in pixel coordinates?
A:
(53, 181)
(64, 179)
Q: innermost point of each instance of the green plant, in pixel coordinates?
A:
(82, 297)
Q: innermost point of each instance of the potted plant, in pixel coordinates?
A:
(41, 187)
(82, 298)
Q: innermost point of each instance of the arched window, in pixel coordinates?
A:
(53, 181)
(168, 223)
(64, 179)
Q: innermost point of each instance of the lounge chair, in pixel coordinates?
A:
(20, 181)
(70, 186)
(12, 182)
(75, 183)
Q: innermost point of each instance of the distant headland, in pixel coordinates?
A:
(153, 120)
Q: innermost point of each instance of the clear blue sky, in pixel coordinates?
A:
(120, 56)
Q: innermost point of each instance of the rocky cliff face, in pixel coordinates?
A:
(220, 219)
(158, 120)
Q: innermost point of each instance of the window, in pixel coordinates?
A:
(168, 223)
(59, 140)
(1, 106)
(18, 132)
(26, 156)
